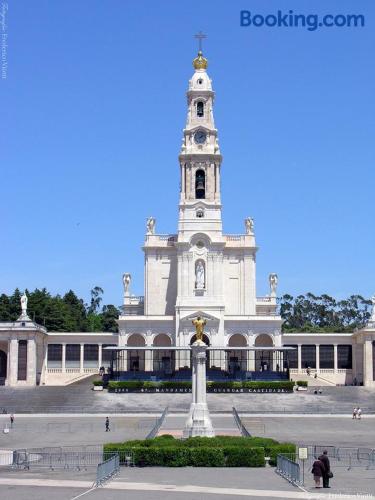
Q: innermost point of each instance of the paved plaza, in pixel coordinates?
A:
(47, 419)
(183, 483)
(80, 398)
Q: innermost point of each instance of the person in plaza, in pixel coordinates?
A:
(11, 420)
(359, 413)
(107, 425)
(355, 412)
(327, 474)
(317, 472)
(308, 370)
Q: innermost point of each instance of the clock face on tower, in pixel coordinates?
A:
(200, 136)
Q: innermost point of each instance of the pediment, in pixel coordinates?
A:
(192, 315)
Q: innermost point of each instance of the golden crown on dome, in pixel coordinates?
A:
(200, 62)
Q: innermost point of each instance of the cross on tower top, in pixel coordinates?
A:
(200, 36)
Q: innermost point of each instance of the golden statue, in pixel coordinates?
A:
(199, 324)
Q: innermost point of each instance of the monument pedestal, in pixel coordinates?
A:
(198, 422)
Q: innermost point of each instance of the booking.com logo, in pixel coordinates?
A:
(310, 21)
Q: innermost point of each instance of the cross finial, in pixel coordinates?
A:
(200, 36)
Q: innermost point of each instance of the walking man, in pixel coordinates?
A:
(355, 413)
(359, 413)
(327, 474)
(107, 425)
(11, 420)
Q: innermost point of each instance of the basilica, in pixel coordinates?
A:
(197, 271)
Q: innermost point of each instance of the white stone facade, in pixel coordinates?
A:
(226, 264)
(197, 271)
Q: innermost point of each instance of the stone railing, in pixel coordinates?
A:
(167, 237)
(264, 300)
(161, 239)
(234, 237)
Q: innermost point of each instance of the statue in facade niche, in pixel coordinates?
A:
(273, 279)
(126, 280)
(24, 304)
(199, 324)
(150, 225)
(199, 276)
(249, 225)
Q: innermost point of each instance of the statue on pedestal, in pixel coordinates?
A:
(249, 225)
(373, 309)
(150, 225)
(199, 324)
(24, 305)
(273, 280)
(126, 280)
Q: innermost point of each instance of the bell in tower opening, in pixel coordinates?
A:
(200, 184)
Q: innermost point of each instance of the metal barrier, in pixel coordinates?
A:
(159, 422)
(244, 432)
(106, 470)
(288, 469)
(344, 456)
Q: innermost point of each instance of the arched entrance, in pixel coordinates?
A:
(263, 359)
(163, 360)
(136, 358)
(3, 367)
(236, 359)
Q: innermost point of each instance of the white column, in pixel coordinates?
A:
(149, 357)
(299, 358)
(12, 374)
(81, 357)
(354, 361)
(31, 361)
(367, 363)
(317, 357)
(63, 358)
(100, 355)
(45, 365)
(199, 422)
(335, 360)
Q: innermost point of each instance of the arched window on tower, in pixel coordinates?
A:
(200, 109)
(200, 184)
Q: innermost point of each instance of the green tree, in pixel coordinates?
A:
(110, 315)
(5, 314)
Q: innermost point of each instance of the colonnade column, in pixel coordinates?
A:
(81, 357)
(12, 374)
(100, 355)
(317, 358)
(335, 358)
(149, 357)
(45, 364)
(354, 361)
(63, 358)
(299, 361)
(368, 376)
(31, 361)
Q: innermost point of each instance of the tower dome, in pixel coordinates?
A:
(200, 62)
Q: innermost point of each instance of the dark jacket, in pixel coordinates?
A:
(318, 468)
(325, 460)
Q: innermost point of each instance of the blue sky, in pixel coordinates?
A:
(93, 109)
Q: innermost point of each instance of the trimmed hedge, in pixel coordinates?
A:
(302, 383)
(220, 451)
(98, 382)
(243, 457)
(133, 385)
(179, 456)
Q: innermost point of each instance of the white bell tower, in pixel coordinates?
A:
(200, 159)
